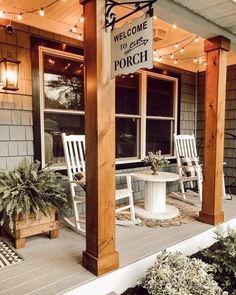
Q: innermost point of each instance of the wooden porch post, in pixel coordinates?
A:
(100, 255)
(215, 91)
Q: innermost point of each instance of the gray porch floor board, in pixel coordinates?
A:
(54, 266)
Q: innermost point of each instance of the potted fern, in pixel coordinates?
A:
(30, 198)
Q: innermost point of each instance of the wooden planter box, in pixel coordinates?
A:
(22, 229)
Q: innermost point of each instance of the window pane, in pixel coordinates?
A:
(126, 137)
(158, 136)
(54, 125)
(159, 97)
(127, 94)
(63, 83)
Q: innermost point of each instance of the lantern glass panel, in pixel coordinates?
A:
(9, 69)
(11, 75)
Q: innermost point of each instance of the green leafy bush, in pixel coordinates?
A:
(176, 274)
(28, 189)
(222, 256)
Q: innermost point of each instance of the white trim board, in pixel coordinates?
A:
(119, 280)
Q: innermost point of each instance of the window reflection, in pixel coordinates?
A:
(63, 83)
(158, 136)
(54, 126)
(126, 137)
(159, 97)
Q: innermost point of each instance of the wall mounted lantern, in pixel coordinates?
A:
(9, 72)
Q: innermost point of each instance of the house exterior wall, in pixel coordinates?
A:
(186, 126)
(16, 123)
(230, 122)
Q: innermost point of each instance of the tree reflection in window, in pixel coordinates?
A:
(63, 92)
(63, 83)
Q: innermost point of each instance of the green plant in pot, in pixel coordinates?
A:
(30, 192)
(156, 160)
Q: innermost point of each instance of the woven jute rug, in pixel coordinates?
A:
(8, 256)
(188, 212)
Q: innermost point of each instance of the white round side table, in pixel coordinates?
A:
(155, 206)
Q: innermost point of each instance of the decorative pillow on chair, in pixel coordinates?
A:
(190, 163)
(80, 177)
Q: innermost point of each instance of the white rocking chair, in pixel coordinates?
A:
(74, 149)
(189, 168)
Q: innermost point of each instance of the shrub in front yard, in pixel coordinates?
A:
(222, 257)
(176, 274)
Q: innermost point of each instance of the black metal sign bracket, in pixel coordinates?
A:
(110, 15)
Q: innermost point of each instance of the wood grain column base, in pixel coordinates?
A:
(212, 219)
(101, 265)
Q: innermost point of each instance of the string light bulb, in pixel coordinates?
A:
(205, 63)
(160, 58)
(41, 12)
(79, 36)
(174, 26)
(74, 29)
(176, 45)
(171, 55)
(195, 60)
(182, 50)
(81, 19)
(197, 39)
(175, 61)
(19, 16)
(2, 14)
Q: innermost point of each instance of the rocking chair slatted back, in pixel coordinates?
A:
(185, 147)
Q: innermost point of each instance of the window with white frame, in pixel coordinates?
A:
(62, 101)
(146, 109)
(146, 115)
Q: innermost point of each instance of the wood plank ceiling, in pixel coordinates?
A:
(59, 17)
(221, 12)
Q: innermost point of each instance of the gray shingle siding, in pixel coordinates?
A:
(230, 121)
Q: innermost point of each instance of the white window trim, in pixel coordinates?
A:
(142, 104)
(45, 50)
(143, 114)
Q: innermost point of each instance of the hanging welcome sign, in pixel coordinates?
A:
(132, 47)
